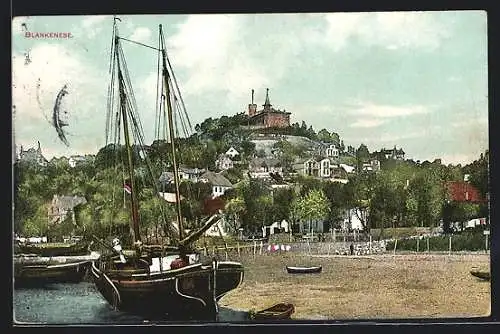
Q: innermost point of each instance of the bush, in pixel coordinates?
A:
(459, 242)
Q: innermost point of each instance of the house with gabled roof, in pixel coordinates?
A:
(219, 183)
(232, 152)
(224, 162)
(62, 206)
(261, 167)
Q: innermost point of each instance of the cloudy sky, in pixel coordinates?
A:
(417, 80)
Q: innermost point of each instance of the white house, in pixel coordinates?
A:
(276, 227)
(75, 160)
(224, 162)
(352, 221)
(332, 151)
(232, 152)
(219, 183)
(347, 168)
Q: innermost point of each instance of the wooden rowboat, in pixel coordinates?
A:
(484, 275)
(304, 270)
(276, 312)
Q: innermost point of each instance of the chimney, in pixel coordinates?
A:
(252, 108)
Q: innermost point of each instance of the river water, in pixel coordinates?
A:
(81, 303)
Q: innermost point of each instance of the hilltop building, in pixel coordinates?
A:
(268, 116)
(33, 156)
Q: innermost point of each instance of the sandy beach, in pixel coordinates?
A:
(366, 287)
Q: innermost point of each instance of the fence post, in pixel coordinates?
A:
(261, 245)
(238, 245)
(428, 248)
(370, 244)
(254, 249)
(486, 243)
(309, 245)
(449, 247)
(395, 245)
(328, 253)
(418, 243)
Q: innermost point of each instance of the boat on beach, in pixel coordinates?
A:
(482, 274)
(279, 311)
(168, 278)
(304, 270)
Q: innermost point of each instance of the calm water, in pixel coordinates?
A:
(81, 304)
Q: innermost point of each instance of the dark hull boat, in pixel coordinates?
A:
(304, 270)
(194, 289)
(279, 311)
(484, 275)
(166, 279)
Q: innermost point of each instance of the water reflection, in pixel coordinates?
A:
(82, 304)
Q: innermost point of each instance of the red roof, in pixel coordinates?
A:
(459, 191)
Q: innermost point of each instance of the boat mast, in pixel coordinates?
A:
(123, 108)
(171, 134)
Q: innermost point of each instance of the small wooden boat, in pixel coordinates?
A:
(276, 312)
(37, 270)
(482, 274)
(304, 270)
(54, 249)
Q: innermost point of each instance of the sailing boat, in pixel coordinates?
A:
(168, 278)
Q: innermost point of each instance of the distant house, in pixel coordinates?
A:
(332, 151)
(394, 153)
(62, 206)
(351, 220)
(373, 165)
(320, 167)
(232, 152)
(276, 227)
(348, 169)
(219, 183)
(268, 116)
(191, 174)
(76, 160)
(185, 174)
(261, 167)
(33, 156)
(224, 162)
(459, 191)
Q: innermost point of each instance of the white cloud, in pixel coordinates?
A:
(388, 111)
(393, 30)
(92, 25)
(367, 123)
(141, 34)
(35, 87)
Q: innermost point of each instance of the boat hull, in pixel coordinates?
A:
(280, 311)
(185, 291)
(35, 274)
(304, 270)
(484, 275)
(56, 250)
